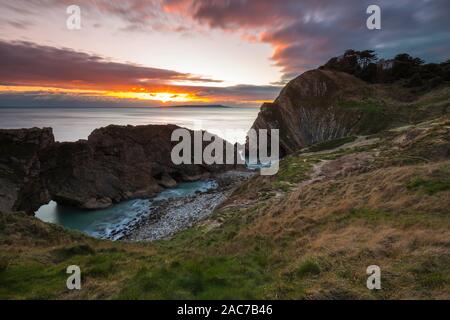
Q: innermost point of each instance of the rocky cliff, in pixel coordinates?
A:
(115, 163)
(322, 105)
(21, 182)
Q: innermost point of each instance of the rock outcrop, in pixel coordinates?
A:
(115, 163)
(21, 182)
(322, 105)
(308, 109)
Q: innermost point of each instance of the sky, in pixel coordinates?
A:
(165, 52)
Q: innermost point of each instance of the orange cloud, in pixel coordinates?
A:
(32, 74)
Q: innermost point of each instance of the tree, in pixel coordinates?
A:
(405, 66)
(367, 57)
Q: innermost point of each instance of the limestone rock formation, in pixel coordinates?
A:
(115, 163)
(322, 105)
(308, 109)
(21, 182)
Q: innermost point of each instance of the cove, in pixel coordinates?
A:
(107, 223)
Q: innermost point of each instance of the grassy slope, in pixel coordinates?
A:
(382, 202)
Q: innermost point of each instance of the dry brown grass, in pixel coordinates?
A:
(307, 233)
(361, 209)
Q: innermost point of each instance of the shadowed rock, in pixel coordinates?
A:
(323, 105)
(21, 183)
(307, 110)
(115, 163)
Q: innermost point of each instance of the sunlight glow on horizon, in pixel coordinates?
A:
(154, 96)
(162, 95)
(157, 96)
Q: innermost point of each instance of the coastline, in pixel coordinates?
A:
(170, 216)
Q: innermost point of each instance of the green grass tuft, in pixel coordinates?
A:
(200, 278)
(332, 144)
(308, 268)
(75, 250)
(429, 186)
(437, 181)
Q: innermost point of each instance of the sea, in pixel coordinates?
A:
(72, 124)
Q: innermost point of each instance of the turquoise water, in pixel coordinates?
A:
(108, 223)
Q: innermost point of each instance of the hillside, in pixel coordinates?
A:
(322, 105)
(307, 233)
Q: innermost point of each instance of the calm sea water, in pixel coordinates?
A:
(71, 124)
(109, 222)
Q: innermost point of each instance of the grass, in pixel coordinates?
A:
(429, 186)
(332, 144)
(308, 268)
(102, 266)
(375, 217)
(433, 273)
(31, 280)
(294, 169)
(310, 242)
(74, 250)
(437, 181)
(367, 106)
(200, 278)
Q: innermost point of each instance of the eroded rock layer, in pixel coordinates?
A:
(115, 163)
(322, 105)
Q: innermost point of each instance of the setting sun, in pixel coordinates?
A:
(158, 96)
(138, 94)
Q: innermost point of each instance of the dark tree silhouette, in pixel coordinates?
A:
(403, 68)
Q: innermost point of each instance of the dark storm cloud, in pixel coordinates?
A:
(306, 33)
(303, 33)
(24, 63)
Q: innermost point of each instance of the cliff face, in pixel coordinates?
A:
(114, 164)
(308, 109)
(21, 182)
(322, 105)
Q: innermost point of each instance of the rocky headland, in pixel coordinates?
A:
(115, 163)
(21, 182)
(323, 105)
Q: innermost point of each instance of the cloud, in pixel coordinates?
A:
(241, 95)
(304, 34)
(136, 15)
(64, 99)
(25, 63)
(32, 74)
(19, 24)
